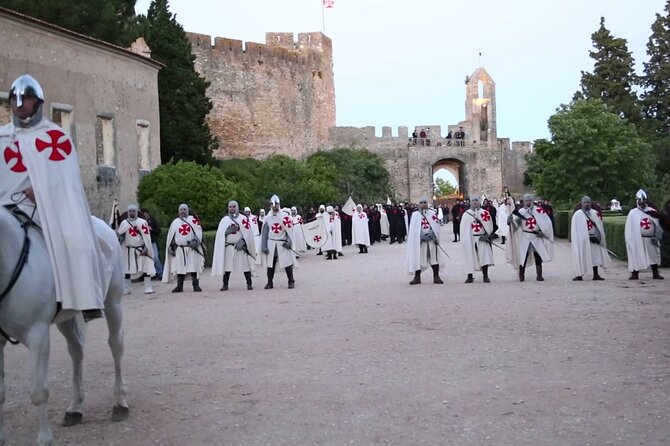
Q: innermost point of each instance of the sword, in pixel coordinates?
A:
(441, 249)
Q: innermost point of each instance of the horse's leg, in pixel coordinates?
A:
(3, 435)
(75, 345)
(114, 316)
(38, 344)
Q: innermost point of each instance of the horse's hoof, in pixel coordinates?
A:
(120, 413)
(72, 419)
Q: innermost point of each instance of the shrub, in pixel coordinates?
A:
(562, 221)
(614, 233)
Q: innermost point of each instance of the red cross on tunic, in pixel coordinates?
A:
(255, 221)
(540, 210)
(287, 222)
(14, 159)
(424, 223)
(317, 238)
(362, 215)
(246, 224)
(60, 145)
(195, 221)
(589, 225)
(476, 226)
(434, 217)
(276, 228)
(145, 229)
(184, 229)
(645, 223)
(133, 232)
(531, 223)
(486, 216)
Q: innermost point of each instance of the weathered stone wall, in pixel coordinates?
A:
(84, 79)
(277, 97)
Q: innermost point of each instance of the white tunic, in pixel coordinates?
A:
(277, 230)
(384, 222)
(360, 231)
(334, 226)
(186, 260)
(422, 254)
(504, 211)
(643, 234)
(226, 256)
(586, 255)
(533, 232)
(298, 237)
(476, 223)
(136, 239)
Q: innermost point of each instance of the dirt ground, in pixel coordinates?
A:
(355, 356)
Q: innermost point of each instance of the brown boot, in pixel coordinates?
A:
(655, 274)
(417, 278)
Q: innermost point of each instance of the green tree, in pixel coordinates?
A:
(108, 20)
(613, 76)
(592, 151)
(656, 95)
(184, 104)
(443, 188)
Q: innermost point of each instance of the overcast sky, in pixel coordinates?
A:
(400, 62)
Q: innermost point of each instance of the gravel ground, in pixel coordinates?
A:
(355, 356)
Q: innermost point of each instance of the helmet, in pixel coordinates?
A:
(26, 85)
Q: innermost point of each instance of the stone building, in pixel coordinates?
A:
(106, 97)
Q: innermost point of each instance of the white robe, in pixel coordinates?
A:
(43, 157)
(641, 233)
(276, 230)
(384, 222)
(524, 238)
(586, 255)
(226, 258)
(186, 260)
(476, 253)
(298, 237)
(360, 231)
(136, 238)
(334, 227)
(420, 255)
(504, 211)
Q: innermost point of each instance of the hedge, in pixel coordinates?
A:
(614, 233)
(562, 223)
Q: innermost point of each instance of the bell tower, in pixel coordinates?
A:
(480, 105)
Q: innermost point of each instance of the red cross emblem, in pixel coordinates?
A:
(434, 217)
(184, 229)
(276, 228)
(255, 220)
(332, 218)
(486, 216)
(133, 232)
(60, 145)
(317, 238)
(645, 223)
(16, 166)
(424, 223)
(476, 226)
(287, 222)
(531, 223)
(246, 224)
(540, 210)
(362, 215)
(589, 224)
(145, 229)
(195, 221)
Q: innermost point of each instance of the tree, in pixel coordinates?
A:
(184, 104)
(613, 76)
(443, 188)
(592, 151)
(108, 20)
(656, 95)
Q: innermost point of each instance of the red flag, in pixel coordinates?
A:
(328, 3)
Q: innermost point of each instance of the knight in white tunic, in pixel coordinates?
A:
(476, 233)
(40, 175)
(276, 243)
(504, 210)
(532, 238)
(333, 245)
(643, 235)
(137, 253)
(300, 245)
(256, 231)
(587, 240)
(384, 223)
(184, 250)
(423, 244)
(234, 246)
(360, 231)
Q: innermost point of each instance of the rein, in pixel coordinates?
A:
(23, 259)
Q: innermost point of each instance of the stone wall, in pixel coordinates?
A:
(277, 97)
(86, 81)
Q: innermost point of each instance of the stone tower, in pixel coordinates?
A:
(480, 106)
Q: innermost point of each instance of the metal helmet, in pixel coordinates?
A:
(26, 85)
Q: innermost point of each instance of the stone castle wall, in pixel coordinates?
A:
(277, 97)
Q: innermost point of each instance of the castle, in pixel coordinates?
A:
(279, 98)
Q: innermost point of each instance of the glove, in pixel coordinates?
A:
(266, 251)
(193, 244)
(232, 229)
(240, 245)
(427, 237)
(287, 244)
(122, 238)
(485, 238)
(594, 239)
(145, 251)
(510, 219)
(171, 251)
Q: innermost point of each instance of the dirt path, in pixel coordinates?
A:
(355, 356)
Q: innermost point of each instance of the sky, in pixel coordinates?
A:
(403, 63)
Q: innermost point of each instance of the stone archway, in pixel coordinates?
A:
(456, 169)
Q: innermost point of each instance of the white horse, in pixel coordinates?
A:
(28, 310)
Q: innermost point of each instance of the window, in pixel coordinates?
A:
(61, 114)
(143, 154)
(104, 141)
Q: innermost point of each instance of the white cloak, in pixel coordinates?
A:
(420, 255)
(186, 260)
(136, 239)
(504, 211)
(384, 222)
(360, 231)
(298, 237)
(334, 226)
(43, 157)
(226, 258)
(641, 232)
(534, 233)
(276, 230)
(476, 253)
(586, 255)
